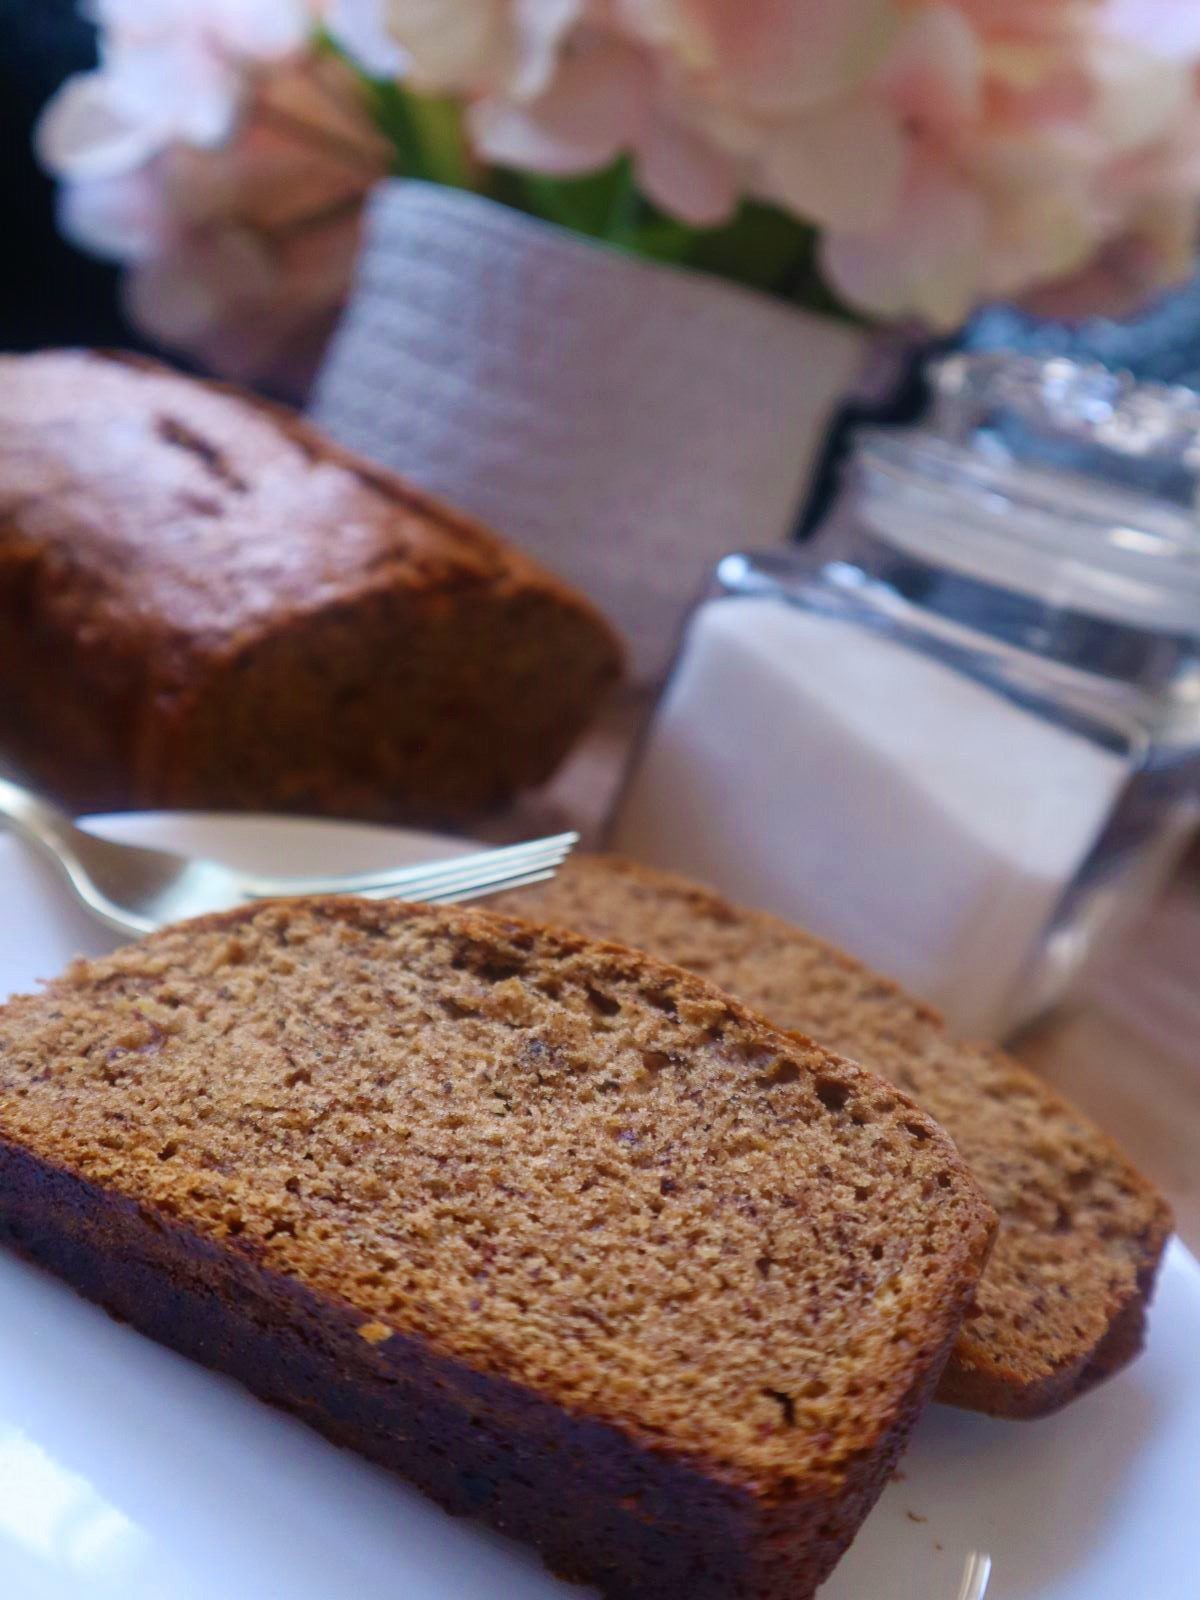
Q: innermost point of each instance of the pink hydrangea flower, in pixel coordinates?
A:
(946, 151)
(465, 46)
(1034, 143)
(240, 254)
(169, 70)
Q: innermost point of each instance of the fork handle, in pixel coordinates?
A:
(37, 820)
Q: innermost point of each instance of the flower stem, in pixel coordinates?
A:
(437, 126)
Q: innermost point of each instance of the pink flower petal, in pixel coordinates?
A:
(142, 19)
(175, 84)
(451, 45)
(681, 172)
(1155, 255)
(540, 28)
(1038, 235)
(1137, 96)
(360, 28)
(775, 55)
(596, 107)
(933, 74)
(929, 263)
(83, 134)
(179, 297)
(260, 30)
(842, 167)
(122, 218)
(1165, 27)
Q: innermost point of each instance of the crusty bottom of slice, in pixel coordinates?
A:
(565, 1235)
(1062, 1303)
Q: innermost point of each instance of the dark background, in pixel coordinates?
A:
(49, 292)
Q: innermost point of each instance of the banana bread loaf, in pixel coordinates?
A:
(1062, 1303)
(562, 1234)
(204, 603)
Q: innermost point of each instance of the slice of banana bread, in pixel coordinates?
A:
(561, 1233)
(1062, 1304)
(204, 603)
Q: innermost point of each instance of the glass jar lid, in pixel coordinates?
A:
(1055, 478)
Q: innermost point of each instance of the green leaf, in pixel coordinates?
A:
(426, 132)
(662, 239)
(389, 108)
(759, 246)
(592, 204)
(438, 123)
(766, 249)
(601, 205)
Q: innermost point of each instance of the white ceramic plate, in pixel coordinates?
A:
(126, 1473)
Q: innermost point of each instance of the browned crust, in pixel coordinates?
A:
(976, 1381)
(515, 565)
(598, 1506)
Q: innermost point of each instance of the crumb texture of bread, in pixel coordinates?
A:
(1062, 1303)
(563, 1234)
(205, 603)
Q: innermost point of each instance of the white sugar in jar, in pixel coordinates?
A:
(959, 736)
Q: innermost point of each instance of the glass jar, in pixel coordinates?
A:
(959, 733)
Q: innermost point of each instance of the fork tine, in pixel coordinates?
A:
(427, 874)
(418, 879)
(484, 875)
(478, 876)
(479, 892)
(555, 846)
